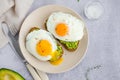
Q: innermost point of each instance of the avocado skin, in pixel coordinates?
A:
(14, 75)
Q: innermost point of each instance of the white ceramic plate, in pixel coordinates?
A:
(38, 18)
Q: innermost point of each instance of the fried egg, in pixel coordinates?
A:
(65, 26)
(41, 44)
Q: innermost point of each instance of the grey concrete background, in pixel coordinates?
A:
(103, 50)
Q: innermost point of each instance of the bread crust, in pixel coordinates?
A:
(34, 28)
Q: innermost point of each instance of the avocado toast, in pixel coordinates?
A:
(69, 45)
(66, 28)
(57, 54)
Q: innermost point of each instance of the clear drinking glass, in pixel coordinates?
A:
(94, 10)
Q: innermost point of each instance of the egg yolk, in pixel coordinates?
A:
(44, 48)
(61, 29)
(57, 62)
(56, 59)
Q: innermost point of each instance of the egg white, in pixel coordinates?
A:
(75, 26)
(34, 37)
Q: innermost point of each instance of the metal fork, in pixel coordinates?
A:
(37, 75)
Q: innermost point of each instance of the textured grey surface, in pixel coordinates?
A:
(103, 49)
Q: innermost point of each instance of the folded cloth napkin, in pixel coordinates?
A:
(12, 12)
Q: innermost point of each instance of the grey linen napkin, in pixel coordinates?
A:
(12, 12)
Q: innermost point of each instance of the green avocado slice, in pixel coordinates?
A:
(7, 74)
(70, 45)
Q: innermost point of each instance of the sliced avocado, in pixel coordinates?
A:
(70, 45)
(7, 74)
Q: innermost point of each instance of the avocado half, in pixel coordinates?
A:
(7, 74)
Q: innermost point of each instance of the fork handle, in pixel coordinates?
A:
(33, 72)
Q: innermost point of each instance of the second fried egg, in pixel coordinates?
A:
(65, 26)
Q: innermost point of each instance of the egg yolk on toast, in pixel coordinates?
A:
(44, 48)
(61, 29)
